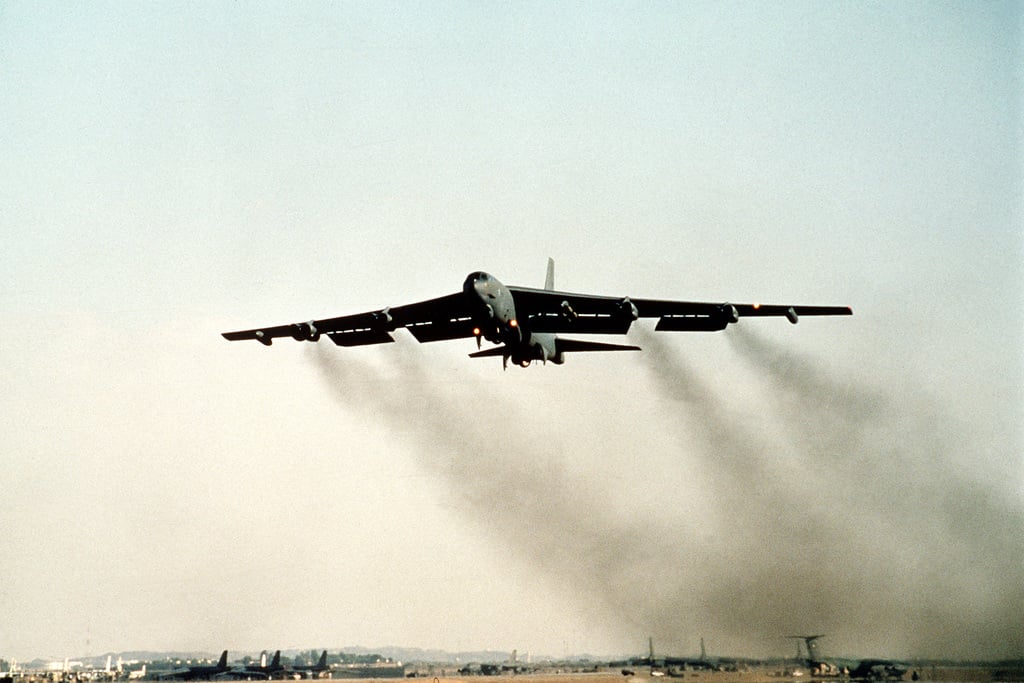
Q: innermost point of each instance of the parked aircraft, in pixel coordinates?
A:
(524, 323)
(315, 670)
(673, 666)
(264, 670)
(864, 670)
(199, 672)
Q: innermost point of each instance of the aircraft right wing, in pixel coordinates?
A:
(446, 317)
(558, 312)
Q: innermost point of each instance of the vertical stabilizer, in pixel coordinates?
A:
(813, 658)
(549, 281)
(703, 652)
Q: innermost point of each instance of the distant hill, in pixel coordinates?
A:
(412, 654)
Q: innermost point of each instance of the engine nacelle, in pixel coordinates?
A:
(730, 313)
(383, 320)
(306, 332)
(628, 310)
(568, 312)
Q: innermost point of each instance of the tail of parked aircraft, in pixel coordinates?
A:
(813, 659)
(549, 281)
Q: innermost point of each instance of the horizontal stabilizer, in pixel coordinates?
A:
(567, 345)
(495, 351)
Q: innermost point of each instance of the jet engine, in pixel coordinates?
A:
(383, 320)
(306, 332)
(628, 310)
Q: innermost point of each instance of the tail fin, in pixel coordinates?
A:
(812, 648)
(323, 659)
(276, 661)
(223, 661)
(549, 281)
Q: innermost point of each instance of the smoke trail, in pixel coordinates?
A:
(507, 479)
(767, 570)
(938, 552)
(817, 517)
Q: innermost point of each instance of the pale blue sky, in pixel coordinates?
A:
(171, 171)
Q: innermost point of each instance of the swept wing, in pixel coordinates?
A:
(559, 312)
(446, 317)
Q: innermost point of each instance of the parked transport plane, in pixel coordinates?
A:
(860, 670)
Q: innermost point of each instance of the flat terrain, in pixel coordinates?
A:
(926, 673)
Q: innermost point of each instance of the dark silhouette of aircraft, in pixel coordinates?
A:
(525, 322)
(199, 672)
(859, 670)
(314, 670)
(672, 666)
(264, 670)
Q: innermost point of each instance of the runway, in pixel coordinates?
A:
(943, 674)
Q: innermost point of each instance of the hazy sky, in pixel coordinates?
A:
(171, 171)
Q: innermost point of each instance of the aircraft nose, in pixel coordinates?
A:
(477, 282)
(470, 285)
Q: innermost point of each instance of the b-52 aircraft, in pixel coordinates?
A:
(264, 670)
(314, 670)
(525, 322)
(199, 672)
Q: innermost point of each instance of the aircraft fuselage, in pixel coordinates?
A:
(494, 319)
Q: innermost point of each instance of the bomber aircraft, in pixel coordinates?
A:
(199, 672)
(524, 322)
(264, 670)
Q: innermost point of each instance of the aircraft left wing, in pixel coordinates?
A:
(557, 312)
(446, 317)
